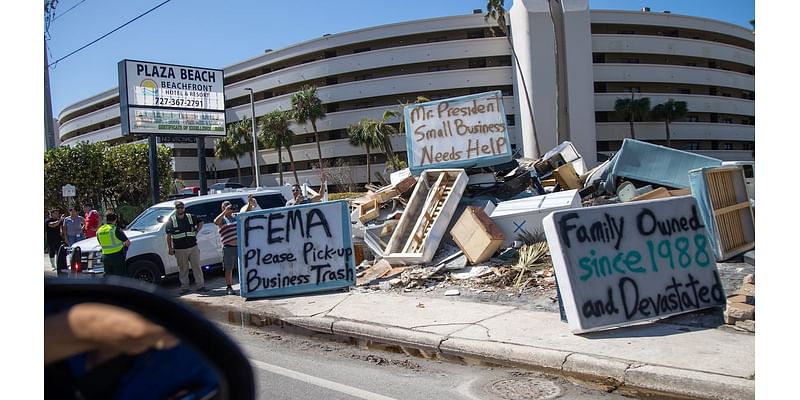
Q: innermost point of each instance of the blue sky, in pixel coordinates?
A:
(216, 34)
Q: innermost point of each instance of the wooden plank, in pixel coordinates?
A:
(653, 194)
(728, 209)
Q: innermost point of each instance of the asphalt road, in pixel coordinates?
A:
(291, 366)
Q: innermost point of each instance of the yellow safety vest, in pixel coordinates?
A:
(107, 236)
(184, 234)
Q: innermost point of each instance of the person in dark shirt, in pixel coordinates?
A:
(181, 231)
(55, 237)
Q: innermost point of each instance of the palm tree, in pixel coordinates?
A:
(242, 131)
(230, 147)
(365, 133)
(668, 112)
(391, 158)
(275, 134)
(632, 110)
(306, 106)
(495, 10)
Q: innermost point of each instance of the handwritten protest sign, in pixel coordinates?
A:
(631, 262)
(460, 132)
(298, 249)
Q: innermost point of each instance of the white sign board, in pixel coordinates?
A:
(625, 263)
(460, 132)
(297, 249)
(171, 99)
(68, 190)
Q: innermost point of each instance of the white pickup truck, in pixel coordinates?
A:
(147, 257)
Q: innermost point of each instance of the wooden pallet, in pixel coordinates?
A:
(729, 210)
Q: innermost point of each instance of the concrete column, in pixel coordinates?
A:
(534, 40)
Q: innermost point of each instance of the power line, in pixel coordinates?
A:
(68, 10)
(101, 37)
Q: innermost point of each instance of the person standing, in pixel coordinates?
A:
(297, 196)
(252, 204)
(52, 227)
(91, 219)
(73, 227)
(182, 230)
(226, 221)
(113, 244)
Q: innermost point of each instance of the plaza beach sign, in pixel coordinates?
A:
(167, 99)
(460, 132)
(621, 264)
(297, 249)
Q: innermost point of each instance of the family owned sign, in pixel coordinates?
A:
(459, 132)
(298, 249)
(625, 263)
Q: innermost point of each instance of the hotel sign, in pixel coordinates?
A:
(168, 99)
(460, 132)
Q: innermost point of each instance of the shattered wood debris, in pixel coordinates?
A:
(413, 235)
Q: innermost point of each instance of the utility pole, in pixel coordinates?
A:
(49, 135)
(255, 139)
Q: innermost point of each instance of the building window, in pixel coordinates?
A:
(330, 53)
(437, 39)
(727, 146)
(477, 62)
(631, 60)
(361, 50)
(626, 32)
(598, 58)
(362, 77)
(434, 68)
(331, 80)
(692, 118)
(331, 107)
(685, 91)
(367, 104)
(693, 146)
(632, 89)
(727, 120)
(509, 119)
(476, 34)
(691, 64)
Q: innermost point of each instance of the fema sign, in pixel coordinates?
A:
(168, 99)
(298, 249)
(638, 261)
(460, 132)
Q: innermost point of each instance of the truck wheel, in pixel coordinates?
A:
(144, 270)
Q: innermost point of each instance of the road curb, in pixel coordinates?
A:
(624, 375)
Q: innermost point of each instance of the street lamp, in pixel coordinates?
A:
(255, 139)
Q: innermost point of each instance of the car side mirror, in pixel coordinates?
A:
(160, 219)
(203, 363)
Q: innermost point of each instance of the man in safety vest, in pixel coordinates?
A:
(182, 230)
(113, 243)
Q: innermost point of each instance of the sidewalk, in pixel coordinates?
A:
(657, 358)
(662, 358)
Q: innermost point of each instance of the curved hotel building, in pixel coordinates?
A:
(604, 56)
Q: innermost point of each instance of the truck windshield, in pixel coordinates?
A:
(150, 219)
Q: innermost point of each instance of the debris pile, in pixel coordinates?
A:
(741, 306)
(481, 228)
